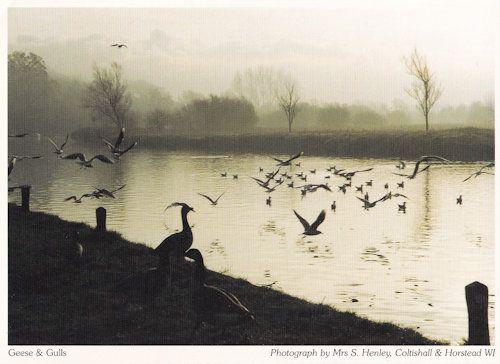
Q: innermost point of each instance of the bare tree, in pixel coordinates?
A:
(424, 90)
(107, 94)
(287, 100)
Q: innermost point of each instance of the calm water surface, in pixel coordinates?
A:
(409, 269)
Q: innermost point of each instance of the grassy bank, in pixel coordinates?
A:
(460, 144)
(53, 300)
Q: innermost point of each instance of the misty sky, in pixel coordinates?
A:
(336, 55)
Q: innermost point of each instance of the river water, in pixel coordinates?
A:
(407, 268)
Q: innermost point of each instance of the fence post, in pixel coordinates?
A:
(476, 295)
(100, 214)
(25, 197)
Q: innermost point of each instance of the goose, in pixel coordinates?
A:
(459, 200)
(268, 201)
(235, 176)
(315, 187)
(342, 188)
(223, 174)
(401, 184)
(313, 171)
(423, 159)
(386, 186)
(402, 207)
(213, 202)
(209, 301)
(334, 206)
(369, 183)
(59, 150)
(390, 195)
(303, 178)
(311, 229)
(287, 162)
(299, 174)
(290, 184)
(176, 244)
(360, 188)
(328, 177)
(367, 204)
(84, 162)
(261, 169)
(115, 149)
(119, 45)
(481, 171)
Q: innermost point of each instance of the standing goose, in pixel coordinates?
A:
(209, 301)
(311, 229)
(84, 162)
(176, 244)
(59, 150)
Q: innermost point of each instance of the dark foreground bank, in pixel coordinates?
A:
(459, 144)
(54, 299)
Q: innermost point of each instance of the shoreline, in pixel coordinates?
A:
(55, 301)
(460, 144)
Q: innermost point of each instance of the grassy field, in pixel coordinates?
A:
(53, 300)
(459, 144)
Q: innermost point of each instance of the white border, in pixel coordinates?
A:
(195, 354)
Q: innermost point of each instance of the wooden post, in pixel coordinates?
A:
(100, 214)
(25, 197)
(476, 295)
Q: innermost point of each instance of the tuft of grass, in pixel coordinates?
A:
(114, 297)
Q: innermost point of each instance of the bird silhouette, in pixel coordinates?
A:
(212, 201)
(78, 199)
(401, 184)
(367, 204)
(115, 148)
(459, 200)
(84, 162)
(423, 159)
(119, 45)
(481, 171)
(176, 244)
(22, 135)
(208, 301)
(105, 192)
(287, 162)
(59, 150)
(334, 206)
(311, 229)
(402, 207)
(268, 201)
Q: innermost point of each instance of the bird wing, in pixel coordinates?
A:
(363, 170)
(365, 201)
(118, 189)
(114, 45)
(319, 220)
(130, 147)
(383, 198)
(66, 141)
(401, 174)
(278, 160)
(102, 158)
(70, 198)
(294, 157)
(217, 199)
(473, 174)
(260, 182)
(108, 144)
(303, 221)
(400, 195)
(272, 177)
(424, 169)
(79, 156)
(207, 197)
(120, 138)
(53, 143)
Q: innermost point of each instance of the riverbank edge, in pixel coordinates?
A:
(54, 301)
(459, 144)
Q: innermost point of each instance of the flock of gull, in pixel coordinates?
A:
(176, 247)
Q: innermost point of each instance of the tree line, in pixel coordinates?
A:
(258, 99)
